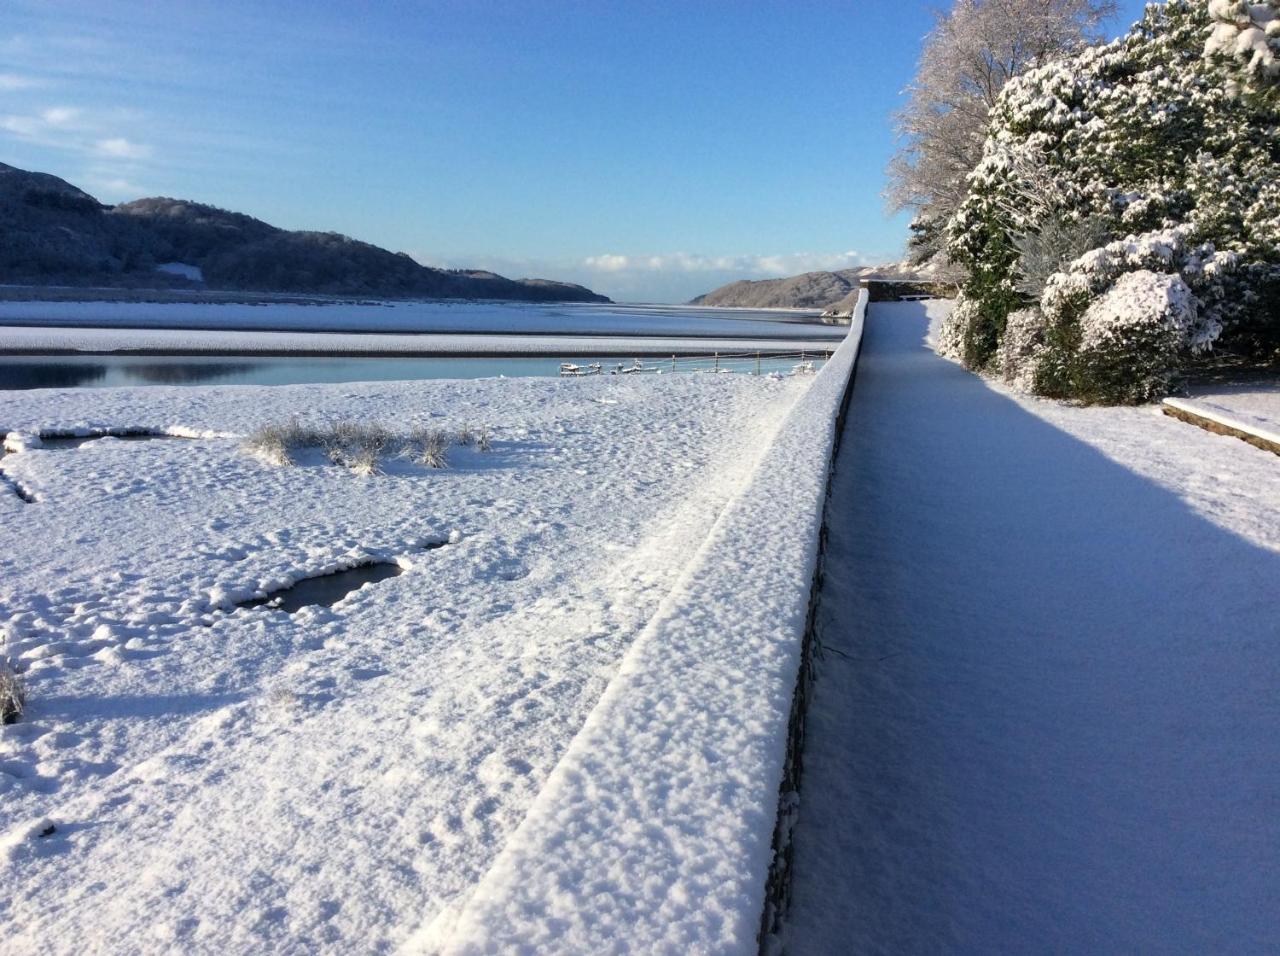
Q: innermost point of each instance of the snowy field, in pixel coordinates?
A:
(1045, 715)
(438, 318)
(246, 780)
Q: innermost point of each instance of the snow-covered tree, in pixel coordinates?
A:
(1248, 33)
(1153, 155)
(969, 56)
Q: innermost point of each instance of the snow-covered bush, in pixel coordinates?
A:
(1022, 348)
(951, 334)
(1052, 248)
(1144, 154)
(1131, 336)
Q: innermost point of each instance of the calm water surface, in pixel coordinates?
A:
(106, 371)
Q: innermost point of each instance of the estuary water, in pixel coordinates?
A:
(114, 369)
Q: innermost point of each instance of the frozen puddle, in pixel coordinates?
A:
(58, 442)
(16, 442)
(328, 589)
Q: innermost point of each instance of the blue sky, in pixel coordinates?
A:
(651, 150)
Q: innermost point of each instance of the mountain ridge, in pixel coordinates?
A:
(808, 290)
(57, 233)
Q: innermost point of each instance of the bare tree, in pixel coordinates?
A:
(968, 57)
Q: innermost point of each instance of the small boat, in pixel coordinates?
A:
(573, 371)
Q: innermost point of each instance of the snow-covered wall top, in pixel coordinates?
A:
(654, 833)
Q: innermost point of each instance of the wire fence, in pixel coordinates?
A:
(742, 363)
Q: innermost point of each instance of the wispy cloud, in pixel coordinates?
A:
(75, 130)
(12, 82)
(121, 148)
(41, 127)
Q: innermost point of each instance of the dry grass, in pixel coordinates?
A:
(278, 444)
(359, 446)
(430, 447)
(13, 693)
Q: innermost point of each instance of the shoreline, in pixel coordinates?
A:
(59, 340)
(647, 351)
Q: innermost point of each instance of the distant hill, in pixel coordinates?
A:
(56, 234)
(811, 290)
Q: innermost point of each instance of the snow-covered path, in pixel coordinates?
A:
(1046, 718)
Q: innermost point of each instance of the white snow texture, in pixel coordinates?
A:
(654, 833)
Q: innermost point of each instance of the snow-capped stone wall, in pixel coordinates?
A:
(654, 834)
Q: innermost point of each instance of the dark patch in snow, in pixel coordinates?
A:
(326, 590)
(58, 441)
(17, 489)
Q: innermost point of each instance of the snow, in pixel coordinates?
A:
(471, 318)
(328, 781)
(1044, 717)
(1249, 408)
(1246, 31)
(183, 269)
(653, 835)
(1158, 305)
(57, 339)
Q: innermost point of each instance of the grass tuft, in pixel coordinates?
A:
(430, 447)
(359, 446)
(13, 693)
(278, 444)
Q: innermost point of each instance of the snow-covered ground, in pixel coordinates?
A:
(63, 339)
(1045, 718)
(251, 781)
(464, 318)
(654, 834)
(1254, 408)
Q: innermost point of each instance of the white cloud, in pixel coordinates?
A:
(11, 82)
(89, 135)
(60, 116)
(667, 277)
(48, 127)
(121, 148)
(749, 266)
